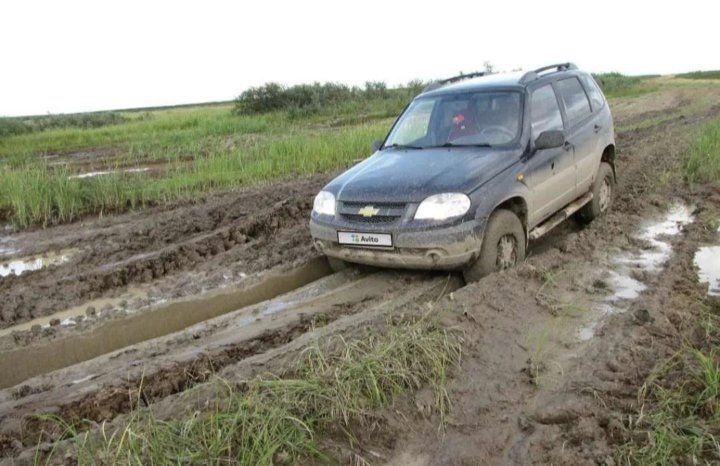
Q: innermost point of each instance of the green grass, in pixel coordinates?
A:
(337, 386)
(165, 133)
(193, 149)
(34, 193)
(710, 74)
(702, 163)
(616, 85)
(21, 125)
(678, 419)
(682, 421)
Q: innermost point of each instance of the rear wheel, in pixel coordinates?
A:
(503, 246)
(603, 190)
(337, 265)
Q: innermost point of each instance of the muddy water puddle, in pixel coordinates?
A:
(28, 264)
(95, 174)
(707, 260)
(22, 363)
(625, 270)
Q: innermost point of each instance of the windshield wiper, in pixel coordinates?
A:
(450, 144)
(402, 146)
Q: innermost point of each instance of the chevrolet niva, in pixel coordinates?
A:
(473, 169)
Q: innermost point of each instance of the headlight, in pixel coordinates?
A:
(443, 206)
(324, 203)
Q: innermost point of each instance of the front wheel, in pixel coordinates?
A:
(503, 246)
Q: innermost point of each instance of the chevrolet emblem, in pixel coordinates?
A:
(368, 211)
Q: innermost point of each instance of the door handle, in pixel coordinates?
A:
(597, 128)
(567, 145)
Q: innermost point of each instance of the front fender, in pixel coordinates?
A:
(509, 184)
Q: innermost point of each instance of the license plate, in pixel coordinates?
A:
(365, 239)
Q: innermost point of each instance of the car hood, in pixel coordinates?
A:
(407, 175)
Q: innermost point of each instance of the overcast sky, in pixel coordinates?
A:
(72, 55)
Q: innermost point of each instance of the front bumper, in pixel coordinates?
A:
(443, 248)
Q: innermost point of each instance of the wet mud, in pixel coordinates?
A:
(228, 236)
(22, 363)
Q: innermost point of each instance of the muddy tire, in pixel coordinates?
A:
(503, 246)
(603, 190)
(337, 265)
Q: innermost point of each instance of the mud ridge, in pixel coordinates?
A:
(23, 363)
(106, 404)
(22, 304)
(348, 306)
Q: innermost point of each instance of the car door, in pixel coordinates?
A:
(581, 132)
(602, 127)
(550, 172)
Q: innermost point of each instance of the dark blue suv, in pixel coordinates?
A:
(474, 167)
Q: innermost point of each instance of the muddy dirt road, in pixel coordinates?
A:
(144, 309)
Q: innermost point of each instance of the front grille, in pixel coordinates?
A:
(379, 219)
(379, 205)
(376, 213)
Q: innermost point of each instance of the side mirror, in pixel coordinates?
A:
(550, 139)
(376, 145)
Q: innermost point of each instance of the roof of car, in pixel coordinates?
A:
(515, 79)
(483, 82)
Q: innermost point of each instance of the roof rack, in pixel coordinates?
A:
(436, 84)
(533, 75)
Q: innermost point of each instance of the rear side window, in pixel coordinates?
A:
(596, 97)
(544, 111)
(576, 101)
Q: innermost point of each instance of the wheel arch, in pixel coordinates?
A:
(519, 206)
(608, 156)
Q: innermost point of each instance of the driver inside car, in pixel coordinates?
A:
(464, 124)
(494, 124)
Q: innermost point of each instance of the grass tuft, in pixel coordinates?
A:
(272, 420)
(678, 421)
(702, 163)
(682, 423)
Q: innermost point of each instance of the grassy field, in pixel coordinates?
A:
(190, 150)
(616, 85)
(711, 74)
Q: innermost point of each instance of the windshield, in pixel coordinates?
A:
(467, 119)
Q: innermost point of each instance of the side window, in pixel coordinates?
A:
(596, 98)
(544, 111)
(576, 101)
